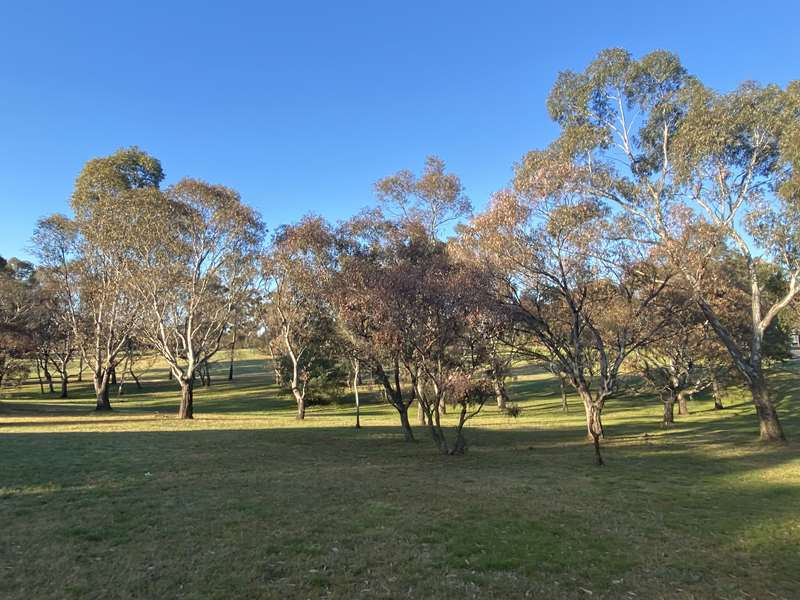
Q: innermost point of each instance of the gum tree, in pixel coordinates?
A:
(581, 301)
(87, 257)
(16, 341)
(294, 272)
(656, 143)
(191, 264)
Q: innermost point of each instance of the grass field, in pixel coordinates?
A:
(245, 502)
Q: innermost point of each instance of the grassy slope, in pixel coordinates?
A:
(243, 501)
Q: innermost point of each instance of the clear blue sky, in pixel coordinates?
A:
(301, 106)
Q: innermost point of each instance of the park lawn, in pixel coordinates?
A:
(243, 501)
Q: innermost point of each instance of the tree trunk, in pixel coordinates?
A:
(135, 378)
(80, 368)
(434, 421)
(419, 391)
(563, 383)
(113, 376)
(300, 398)
(39, 376)
(64, 379)
(769, 424)
(186, 409)
(208, 376)
(404, 423)
(101, 390)
(596, 432)
(668, 398)
(500, 395)
(233, 350)
(355, 393)
(460, 445)
(716, 391)
(49, 377)
(421, 418)
(594, 423)
(683, 407)
(121, 386)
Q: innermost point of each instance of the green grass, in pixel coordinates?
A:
(245, 502)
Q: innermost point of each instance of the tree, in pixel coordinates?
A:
(16, 339)
(431, 200)
(294, 274)
(368, 298)
(51, 327)
(582, 299)
(191, 265)
(450, 335)
(653, 141)
(426, 203)
(681, 361)
(87, 257)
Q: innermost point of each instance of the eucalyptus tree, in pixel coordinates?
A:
(51, 327)
(369, 300)
(655, 142)
(295, 271)
(16, 339)
(432, 200)
(87, 256)
(494, 325)
(450, 334)
(191, 264)
(428, 203)
(681, 362)
(582, 301)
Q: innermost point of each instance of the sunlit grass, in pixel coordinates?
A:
(243, 501)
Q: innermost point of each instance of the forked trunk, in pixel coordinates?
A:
(408, 434)
(186, 409)
(101, 389)
(594, 420)
(437, 433)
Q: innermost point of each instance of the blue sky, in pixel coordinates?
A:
(301, 106)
